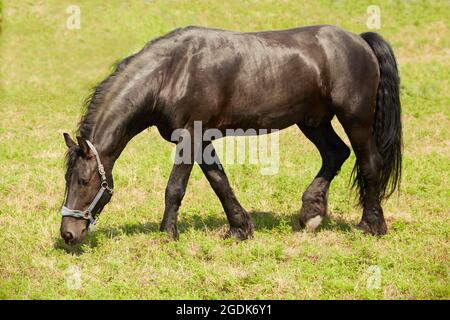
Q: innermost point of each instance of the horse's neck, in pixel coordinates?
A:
(128, 105)
(116, 127)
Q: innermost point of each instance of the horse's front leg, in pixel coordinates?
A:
(175, 190)
(241, 226)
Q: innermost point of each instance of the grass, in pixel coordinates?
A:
(46, 72)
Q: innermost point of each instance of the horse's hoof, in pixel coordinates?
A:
(239, 234)
(377, 229)
(312, 224)
(173, 236)
(171, 232)
(312, 215)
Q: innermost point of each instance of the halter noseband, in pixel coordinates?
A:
(87, 214)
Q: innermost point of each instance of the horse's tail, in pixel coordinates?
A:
(387, 127)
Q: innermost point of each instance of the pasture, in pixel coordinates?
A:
(47, 71)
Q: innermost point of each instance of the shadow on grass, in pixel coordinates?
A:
(336, 224)
(91, 240)
(262, 220)
(266, 221)
(270, 221)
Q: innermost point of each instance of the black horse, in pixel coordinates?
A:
(274, 79)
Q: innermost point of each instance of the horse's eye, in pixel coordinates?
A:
(84, 182)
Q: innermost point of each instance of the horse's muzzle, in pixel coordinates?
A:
(73, 230)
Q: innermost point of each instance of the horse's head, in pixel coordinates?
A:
(87, 189)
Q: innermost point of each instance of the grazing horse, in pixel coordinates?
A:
(229, 80)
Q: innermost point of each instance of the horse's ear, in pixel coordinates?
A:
(84, 146)
(69, 142)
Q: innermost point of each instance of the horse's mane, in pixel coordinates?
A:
(91, 105)
(93, 101)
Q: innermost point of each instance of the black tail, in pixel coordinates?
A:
(387, 127)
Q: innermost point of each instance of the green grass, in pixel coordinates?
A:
(47, 71)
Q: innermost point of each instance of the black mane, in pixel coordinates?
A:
(91, 106)
(93, 101)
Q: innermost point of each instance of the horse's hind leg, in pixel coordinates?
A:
(333, 152)
(369, 166)
(241, 225)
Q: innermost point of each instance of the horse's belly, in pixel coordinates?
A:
(277, 116)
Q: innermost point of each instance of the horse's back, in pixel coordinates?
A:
(263, 79)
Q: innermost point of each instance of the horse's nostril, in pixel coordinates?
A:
(67, 235)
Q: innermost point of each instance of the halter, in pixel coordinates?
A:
(87, 214)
